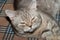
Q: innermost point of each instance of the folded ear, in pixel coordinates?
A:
(11, 14)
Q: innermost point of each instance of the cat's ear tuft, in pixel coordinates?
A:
(10, 13)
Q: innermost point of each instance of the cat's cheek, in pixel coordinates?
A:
(27, 29)
(36, 25)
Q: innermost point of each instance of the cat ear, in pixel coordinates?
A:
(11, 14)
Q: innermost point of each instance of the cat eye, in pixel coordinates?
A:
(33, 19)
(22, 22)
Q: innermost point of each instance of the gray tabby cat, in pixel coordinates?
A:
(28, 20)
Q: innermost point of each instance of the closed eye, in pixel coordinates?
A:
(33, 19)
(21, 25)
(22, 22)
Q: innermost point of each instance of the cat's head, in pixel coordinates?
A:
(24, 21)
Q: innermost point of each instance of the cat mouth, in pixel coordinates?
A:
(30, 31)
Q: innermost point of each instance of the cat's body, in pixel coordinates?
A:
(29, 20)
(50, 7)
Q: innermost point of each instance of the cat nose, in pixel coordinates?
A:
(30, 25)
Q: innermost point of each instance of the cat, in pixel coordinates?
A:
(28, 20)
(25, 19)
(40, 24)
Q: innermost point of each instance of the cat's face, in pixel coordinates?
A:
(24, 21)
